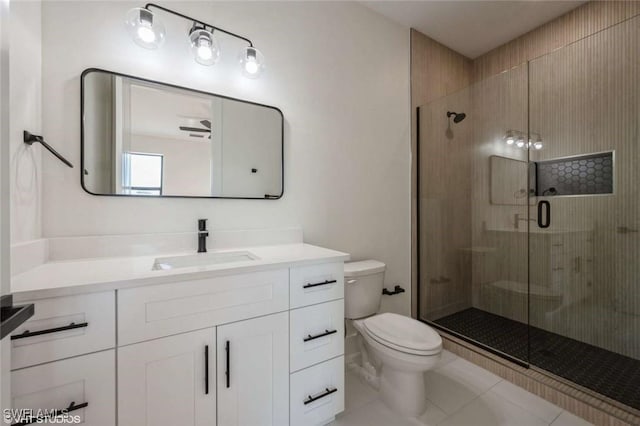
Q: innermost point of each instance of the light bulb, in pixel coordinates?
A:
(146, 34)
(537, 145)
(252, 62)
(145, 28)
(251, 66)
(204, 52)
(204, 46)
(509, 139)
(520, 143)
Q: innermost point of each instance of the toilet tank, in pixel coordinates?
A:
(363, 282)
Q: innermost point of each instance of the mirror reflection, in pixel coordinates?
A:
(143, 138)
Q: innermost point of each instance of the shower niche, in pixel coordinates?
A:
(590, 174)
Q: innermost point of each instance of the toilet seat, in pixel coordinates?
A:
(403, 334)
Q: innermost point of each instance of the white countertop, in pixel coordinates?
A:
(69, 277)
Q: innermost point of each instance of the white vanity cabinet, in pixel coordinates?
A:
(168, 381)
(84, 385)
(62, 327)
(257, 348)
(253, 372)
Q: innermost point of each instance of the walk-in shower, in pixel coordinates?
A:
(529, 224)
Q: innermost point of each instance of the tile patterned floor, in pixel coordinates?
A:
(608, 373)
(459, 394)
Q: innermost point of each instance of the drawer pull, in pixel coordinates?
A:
(317, 336)
(28, 333)
(206, 369)
(326, 282)
(52, 415)
(327, 391)
(227, 348)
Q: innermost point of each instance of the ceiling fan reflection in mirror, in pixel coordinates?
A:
(198, 132)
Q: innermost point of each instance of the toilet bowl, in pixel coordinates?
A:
(402, 347)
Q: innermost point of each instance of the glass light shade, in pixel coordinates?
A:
(537, 145)
(251, 62)
(509, 139)
(204, 47)
(520, 143)
(145, 28)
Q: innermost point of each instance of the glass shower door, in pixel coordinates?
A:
(473, 215)
(584, 245)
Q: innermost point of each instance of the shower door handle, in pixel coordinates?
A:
(544, 207)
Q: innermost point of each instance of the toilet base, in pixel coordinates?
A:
(403, 391)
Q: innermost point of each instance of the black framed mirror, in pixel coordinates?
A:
(147, 138)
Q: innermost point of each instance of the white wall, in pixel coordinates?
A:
(25, 101)
(5, 345)
(186, 166)
(338, 71)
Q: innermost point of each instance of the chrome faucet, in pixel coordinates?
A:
(202, 235)
(517, 219)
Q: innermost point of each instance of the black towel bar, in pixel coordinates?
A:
(30, 139)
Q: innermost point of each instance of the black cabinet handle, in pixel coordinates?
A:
(206, 369)
(317, 336)
(53, 414)
(28, 333)
(326, 282)
(227, 348)
(544, 205)
(327, 392)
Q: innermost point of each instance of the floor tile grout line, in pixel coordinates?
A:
(437, 406)
(462, 407)
(556, 417)
(523, 406)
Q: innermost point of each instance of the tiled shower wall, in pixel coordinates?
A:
(497, 101)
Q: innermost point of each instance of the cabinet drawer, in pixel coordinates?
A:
(317, 393)
(156, 311)
(316, 284)
(316, 334)
(88, 379)
(63, 327)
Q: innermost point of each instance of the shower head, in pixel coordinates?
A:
(457, 117)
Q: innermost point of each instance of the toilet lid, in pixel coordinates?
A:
(403, 334)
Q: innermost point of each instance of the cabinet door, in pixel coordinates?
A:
(85, 386)
(253, 372)
(169, 381)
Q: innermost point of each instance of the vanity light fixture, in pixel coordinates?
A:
(517, 138)
(147, 31)
(509, 138)
(251, 62)
(538, 143)
(204, 46)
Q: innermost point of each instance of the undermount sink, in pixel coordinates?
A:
(201, 259)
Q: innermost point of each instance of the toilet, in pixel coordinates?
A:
(402, 348)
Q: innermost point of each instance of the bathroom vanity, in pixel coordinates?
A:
(243, 337)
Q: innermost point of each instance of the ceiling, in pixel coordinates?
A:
(472, 28)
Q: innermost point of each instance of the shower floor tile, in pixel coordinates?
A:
(608, 373)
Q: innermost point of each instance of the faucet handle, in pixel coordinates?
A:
(202, 224)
